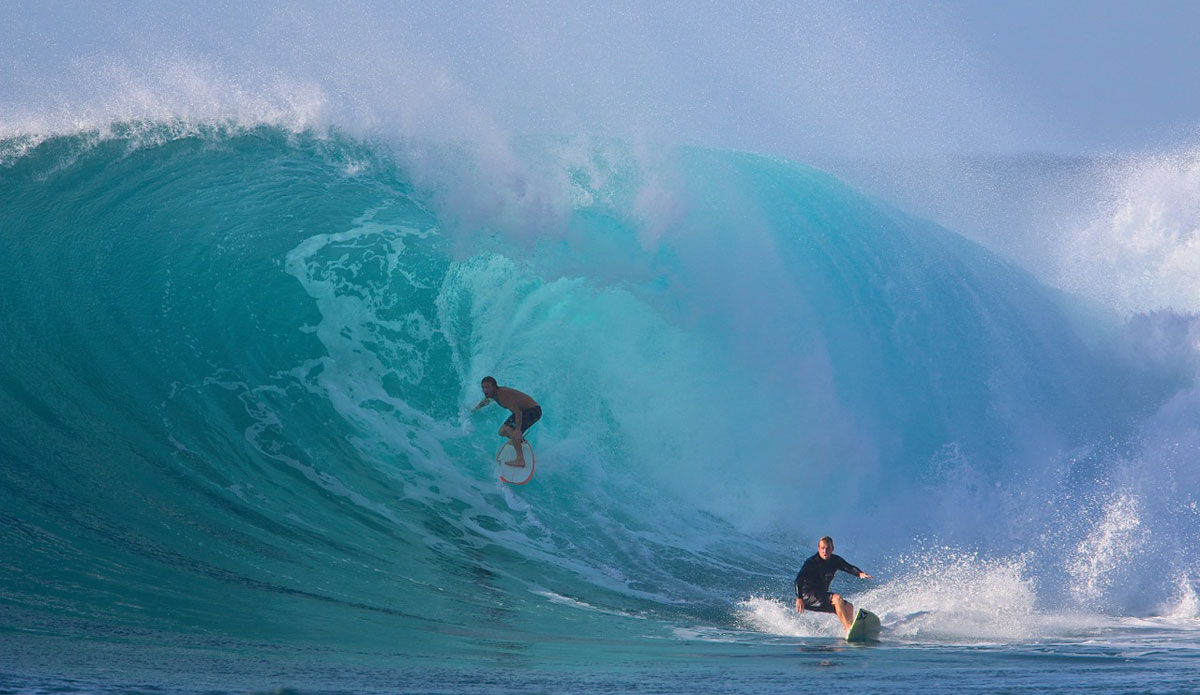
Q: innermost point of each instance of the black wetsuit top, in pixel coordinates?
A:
(814, 578)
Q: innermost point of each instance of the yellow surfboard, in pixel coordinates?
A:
(865, 627)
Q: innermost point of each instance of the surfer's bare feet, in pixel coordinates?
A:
(516, 463)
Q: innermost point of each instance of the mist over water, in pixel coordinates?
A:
(255, 261)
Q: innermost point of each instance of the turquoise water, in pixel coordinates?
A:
(237, 450)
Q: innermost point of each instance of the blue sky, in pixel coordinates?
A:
(1107, 75)
(789, 78)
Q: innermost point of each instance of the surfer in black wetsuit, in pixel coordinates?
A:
(814, 578)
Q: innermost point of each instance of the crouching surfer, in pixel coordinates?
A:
(525, 411)
(814, 578)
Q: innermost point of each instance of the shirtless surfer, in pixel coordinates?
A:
(814, 578)
(525, 412)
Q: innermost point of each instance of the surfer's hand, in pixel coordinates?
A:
(799, 606)
(863, 575)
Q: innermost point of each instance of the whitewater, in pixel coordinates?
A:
(241, 337)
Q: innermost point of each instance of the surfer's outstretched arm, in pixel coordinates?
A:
(481, 404)
(851, 569)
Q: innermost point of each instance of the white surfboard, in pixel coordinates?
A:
(517, 475)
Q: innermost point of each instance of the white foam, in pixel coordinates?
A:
(941, 596)
(1113, 540)
(778, 618)
(1142, 252)
(1185, 605)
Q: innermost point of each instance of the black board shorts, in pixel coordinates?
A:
(528, 417)
(821, 603)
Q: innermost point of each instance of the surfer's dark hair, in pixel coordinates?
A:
(825, 539)
(492, 379)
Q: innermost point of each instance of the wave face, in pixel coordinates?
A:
(238, 365)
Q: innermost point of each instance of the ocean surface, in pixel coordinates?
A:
(237, 452)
